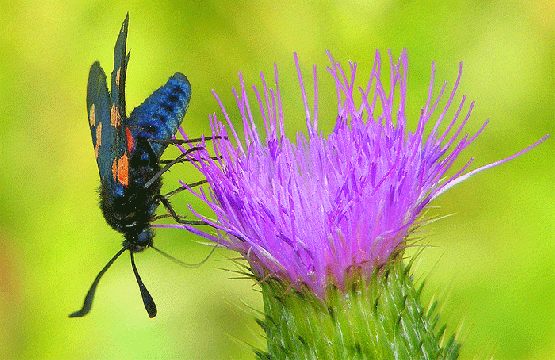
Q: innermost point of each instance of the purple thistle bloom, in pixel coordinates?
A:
(317, 209)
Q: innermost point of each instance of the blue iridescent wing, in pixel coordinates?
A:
(118, 78)
(159, 117)
(107, 119)
(98, 106)
(121, 150)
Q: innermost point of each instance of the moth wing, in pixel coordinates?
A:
(98, 106)
(119, 75)
(161, 114)
(123, 143)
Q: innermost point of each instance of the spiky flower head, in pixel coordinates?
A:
(318, 209)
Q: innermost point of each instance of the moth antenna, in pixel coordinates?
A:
(87, 304)
(150, 306)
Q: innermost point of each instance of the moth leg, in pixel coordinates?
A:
(181, 158)
(188, 141)
(171, 213)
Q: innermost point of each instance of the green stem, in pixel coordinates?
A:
(380, 318)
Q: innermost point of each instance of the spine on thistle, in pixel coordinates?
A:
(382, 318)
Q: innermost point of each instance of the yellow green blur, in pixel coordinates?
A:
(490, 265)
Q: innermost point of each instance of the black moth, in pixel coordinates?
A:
(128, 151)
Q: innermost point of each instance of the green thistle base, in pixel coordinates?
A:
(377, 319)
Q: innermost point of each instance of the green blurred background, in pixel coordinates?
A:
(491, 265)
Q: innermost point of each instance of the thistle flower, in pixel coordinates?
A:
(320, 212)
(315, 209)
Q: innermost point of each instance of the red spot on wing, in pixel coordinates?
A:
(92, 121)
(130, 141)
(98, 142)
(120, 170)
(117, 77)
(115, 118)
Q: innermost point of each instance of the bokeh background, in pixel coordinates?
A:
(491, 264)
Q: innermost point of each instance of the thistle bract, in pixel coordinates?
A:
(318, 209)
